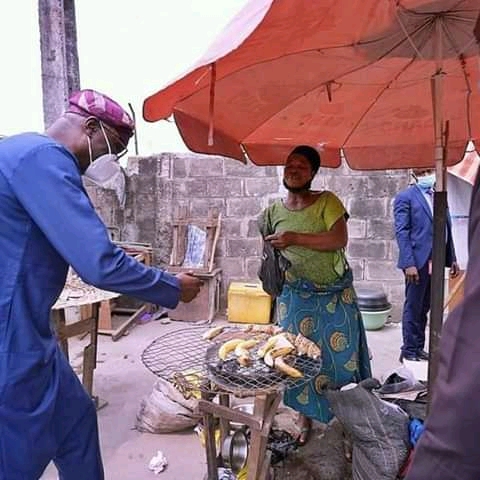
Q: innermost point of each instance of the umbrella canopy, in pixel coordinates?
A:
(335, 74)
(392, 83)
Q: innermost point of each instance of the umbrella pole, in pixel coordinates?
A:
(439, 221)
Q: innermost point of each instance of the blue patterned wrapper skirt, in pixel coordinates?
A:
(329, 316)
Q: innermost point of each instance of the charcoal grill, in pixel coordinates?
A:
(192, 364)
(184, 358)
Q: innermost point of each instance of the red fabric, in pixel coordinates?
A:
(332, 74)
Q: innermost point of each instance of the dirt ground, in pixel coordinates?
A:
(121, 380)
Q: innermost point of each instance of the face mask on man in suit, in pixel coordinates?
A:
(426, 182)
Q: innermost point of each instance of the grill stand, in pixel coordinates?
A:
(260, 423)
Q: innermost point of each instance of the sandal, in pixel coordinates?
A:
(304, 436)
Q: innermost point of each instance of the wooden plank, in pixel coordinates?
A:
(274, 402)
(264, 406)
(200, 222)
(88, 368)
(58, 318)
(214, 243)
(253, 421)
(105, 315)
(265, 467)
(224, 400)
(210, 447)
(77, 328)
(456, 292)
(118, 333)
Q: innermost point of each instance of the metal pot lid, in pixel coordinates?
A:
(370, 294)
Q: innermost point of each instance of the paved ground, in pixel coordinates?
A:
(122, 380)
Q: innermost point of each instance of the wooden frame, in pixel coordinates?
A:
(260, 423)
(86, 325)
(211, 224)
(143, 253)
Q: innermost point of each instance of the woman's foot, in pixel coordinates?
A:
(305, 426)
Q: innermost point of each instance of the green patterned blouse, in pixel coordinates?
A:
(321, 268)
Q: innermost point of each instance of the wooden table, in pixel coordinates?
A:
(78, 294)
(260, 423)
(142, 252)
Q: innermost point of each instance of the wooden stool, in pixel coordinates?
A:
(260, 423)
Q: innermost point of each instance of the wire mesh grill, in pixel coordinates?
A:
(184, 358)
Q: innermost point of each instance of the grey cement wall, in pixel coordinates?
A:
(157, 185)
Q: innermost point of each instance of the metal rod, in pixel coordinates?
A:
(135, 132)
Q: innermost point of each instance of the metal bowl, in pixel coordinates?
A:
(244, 408)
(235, 451)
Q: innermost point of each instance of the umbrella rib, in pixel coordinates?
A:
(407, 35)
(325, 82)
(459, 51)
(369, 107)
(333, 47)
(469, 95)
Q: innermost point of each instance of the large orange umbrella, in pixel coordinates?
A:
(351, 74)
(394, 83)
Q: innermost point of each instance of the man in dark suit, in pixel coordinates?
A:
(413, 213)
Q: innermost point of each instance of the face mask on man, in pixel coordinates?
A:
(426, 182)
(104, 168)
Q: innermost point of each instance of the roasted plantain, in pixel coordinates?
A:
(212, 333)
(228, 347)
(285, 368)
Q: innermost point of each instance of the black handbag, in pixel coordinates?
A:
(274, 264)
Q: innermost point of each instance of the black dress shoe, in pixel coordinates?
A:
(423, 355)
(410, 358)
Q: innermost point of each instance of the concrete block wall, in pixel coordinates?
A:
(372, 249)
(156, 185)
(240, 192)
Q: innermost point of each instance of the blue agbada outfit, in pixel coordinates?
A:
(46, 223)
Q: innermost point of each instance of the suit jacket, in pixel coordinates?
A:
(414, 230)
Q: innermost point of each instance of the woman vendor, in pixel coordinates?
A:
(318, 299)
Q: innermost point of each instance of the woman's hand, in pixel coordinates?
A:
(281, 239)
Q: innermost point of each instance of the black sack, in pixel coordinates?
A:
(274, 264)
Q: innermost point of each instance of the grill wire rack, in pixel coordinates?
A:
(191, 363)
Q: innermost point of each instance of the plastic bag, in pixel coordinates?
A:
(379, 431)
(166, 410)
(400, 380)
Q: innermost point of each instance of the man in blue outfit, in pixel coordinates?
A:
(413, 213)
(47, 223)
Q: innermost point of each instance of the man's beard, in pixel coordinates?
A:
(304, 188)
